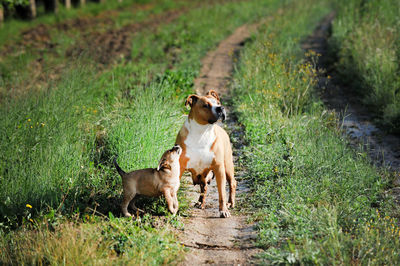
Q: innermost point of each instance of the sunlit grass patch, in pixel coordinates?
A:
(314, 199)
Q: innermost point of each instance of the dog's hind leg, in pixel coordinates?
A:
(230, 177)
(232, 188)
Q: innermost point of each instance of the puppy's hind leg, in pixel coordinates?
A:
(128, 197)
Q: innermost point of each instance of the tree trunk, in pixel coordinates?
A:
(82, 2)
(1, 15)
(68, 4)
(32, 8)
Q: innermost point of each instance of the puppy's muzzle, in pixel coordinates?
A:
(177, 148)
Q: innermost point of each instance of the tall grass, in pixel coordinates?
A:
(316, 200)
(365, 38)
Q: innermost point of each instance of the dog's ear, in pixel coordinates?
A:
(163, 164)
(213, 93)
(191, 100)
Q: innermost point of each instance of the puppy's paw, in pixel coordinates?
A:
(224, 214)
(127, 214)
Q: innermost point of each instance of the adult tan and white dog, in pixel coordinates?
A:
(206, 147)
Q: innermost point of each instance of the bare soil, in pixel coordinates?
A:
(114, 44)
(356, 119)
(214, 240)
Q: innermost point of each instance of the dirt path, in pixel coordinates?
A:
(383, 148)
(214, 240)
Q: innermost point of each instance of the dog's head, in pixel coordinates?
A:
(169, 158)
(206, 109)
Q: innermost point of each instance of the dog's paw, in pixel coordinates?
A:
(230, 205)
(224, 214)
(200, 205)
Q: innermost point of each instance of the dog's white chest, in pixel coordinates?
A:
(198, 145)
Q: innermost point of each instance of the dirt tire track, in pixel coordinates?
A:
(356, 120)
(214, 240)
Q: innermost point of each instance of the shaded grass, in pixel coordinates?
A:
(365, 39)
(96, 241)
(316, 200)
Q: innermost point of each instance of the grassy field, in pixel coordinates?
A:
(365, 39)
(315, 199)
(60, 193)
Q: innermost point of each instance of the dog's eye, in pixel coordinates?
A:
(206, 105)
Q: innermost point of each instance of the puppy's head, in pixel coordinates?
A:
(169, 157)
(206, 109)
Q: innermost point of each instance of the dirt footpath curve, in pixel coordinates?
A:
(214, 240)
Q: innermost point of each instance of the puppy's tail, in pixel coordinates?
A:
(120, 171)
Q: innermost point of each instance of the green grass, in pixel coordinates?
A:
(315, 199)
(365, 39)
(57, 144)
(20, 71)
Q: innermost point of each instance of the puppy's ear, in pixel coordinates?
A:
(213, 93)
(191, 100)
(163, 164)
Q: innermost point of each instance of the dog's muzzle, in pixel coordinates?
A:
(221, 112)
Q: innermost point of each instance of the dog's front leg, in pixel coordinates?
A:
(221, 183)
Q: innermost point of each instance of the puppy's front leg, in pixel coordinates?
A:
(170, 200)
(176, 204)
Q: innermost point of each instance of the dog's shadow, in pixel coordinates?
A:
(102, 205)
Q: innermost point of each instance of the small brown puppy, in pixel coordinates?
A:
(153, 182)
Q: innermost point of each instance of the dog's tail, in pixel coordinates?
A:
(120, 171)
